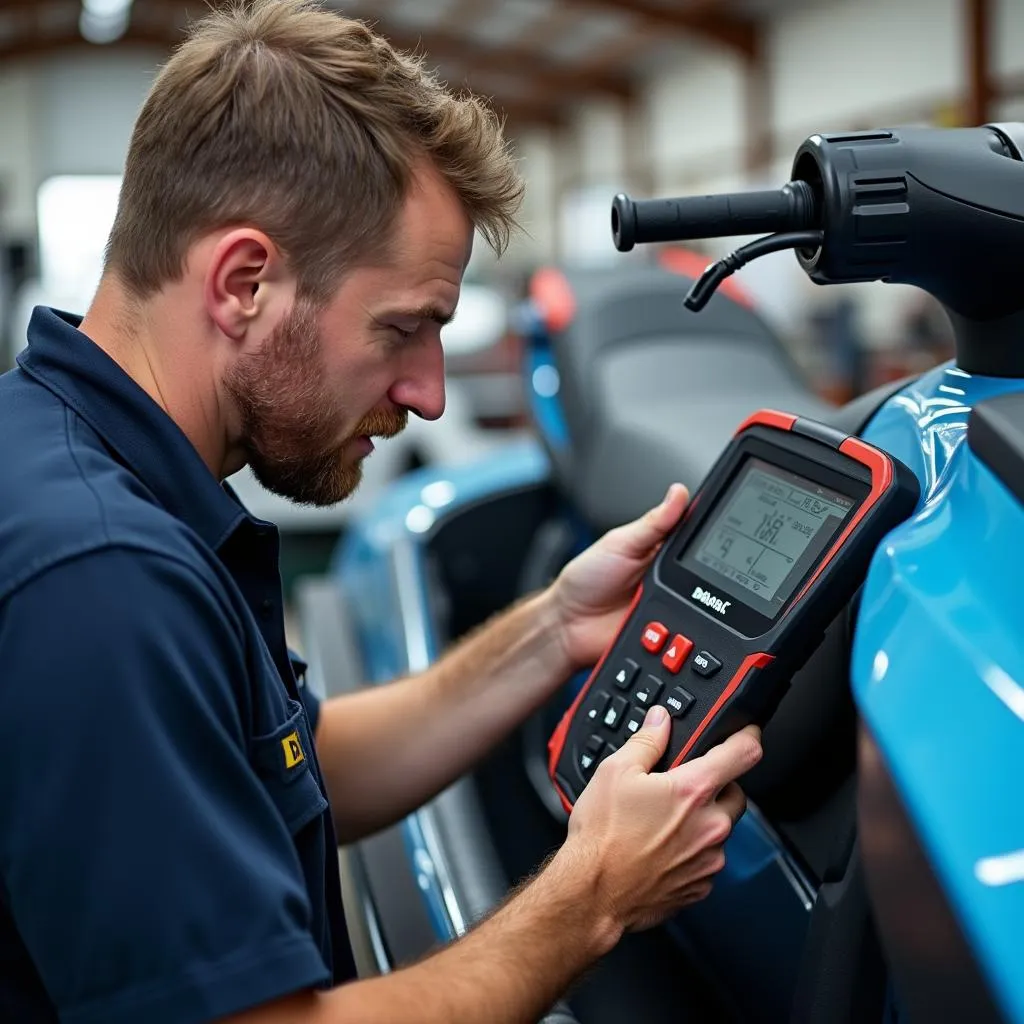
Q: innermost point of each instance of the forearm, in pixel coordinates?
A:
(508, 970)
(513, 967)
(387, 749)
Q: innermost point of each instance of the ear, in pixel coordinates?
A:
(247, 286)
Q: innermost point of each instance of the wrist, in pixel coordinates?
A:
(552, 620)
(571, 875)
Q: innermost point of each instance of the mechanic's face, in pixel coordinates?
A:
(324, 383)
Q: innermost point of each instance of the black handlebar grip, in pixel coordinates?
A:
(790, 208)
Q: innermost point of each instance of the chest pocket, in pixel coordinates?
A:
(283, 760)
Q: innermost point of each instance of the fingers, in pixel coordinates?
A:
(722, 764)
(733, 801)
(646, 746)
(707, 864)
(640, 537)
(696, 892)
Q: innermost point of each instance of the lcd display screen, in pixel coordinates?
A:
(768, 531)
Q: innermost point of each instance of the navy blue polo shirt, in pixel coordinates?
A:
(166, 851)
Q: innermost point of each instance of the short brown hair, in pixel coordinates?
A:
(308, 125)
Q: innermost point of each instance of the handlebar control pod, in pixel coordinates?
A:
(941, 209)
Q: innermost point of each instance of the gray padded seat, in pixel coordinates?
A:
(652, 392)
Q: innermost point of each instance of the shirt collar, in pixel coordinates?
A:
(147, 440)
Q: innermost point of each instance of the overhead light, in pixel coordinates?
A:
(107, 8)
(419, 519)
(104, 21)
(438, 494)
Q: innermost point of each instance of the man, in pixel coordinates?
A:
(297, 212)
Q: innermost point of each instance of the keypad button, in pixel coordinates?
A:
(609, 749)
(594, 745)
(678, 702)
(613, 716)
(705, 664)
(635, 720)
(647, 692)
(586, 762)
(597, 705)
(626, 675)
(654, 637)
(677, 653)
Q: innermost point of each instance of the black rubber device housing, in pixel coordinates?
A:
(938, 208)
(758, 654)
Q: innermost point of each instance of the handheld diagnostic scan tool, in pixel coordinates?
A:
(772, 547)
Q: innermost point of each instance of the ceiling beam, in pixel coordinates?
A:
(42, 45)
(164, 33)
(732, 31)
(978, 17)
(34, 5)
(513, 60)
(758, 113)
(518, 112)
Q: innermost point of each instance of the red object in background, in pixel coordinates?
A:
(689, 264)
(551, 293)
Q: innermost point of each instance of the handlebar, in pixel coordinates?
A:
(790, 208)
(938, 208)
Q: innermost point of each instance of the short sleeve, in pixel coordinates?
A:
(144, 863)
(310, 701)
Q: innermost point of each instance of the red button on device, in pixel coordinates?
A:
(677, 651)
(654, 637)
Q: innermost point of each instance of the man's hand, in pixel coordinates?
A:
(640, 846)
(593, 592)
(652, 843)
(386, 749)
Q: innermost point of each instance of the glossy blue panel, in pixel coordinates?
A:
(541, 379)
(432, 491)
(938, 667)
(363, 571)
(406, 511)
(545, 408)
(756, 916)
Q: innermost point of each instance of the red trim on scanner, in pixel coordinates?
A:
(881, 469)
(768, 418)
(881, 480)
(557, 741)
(882, 475)
(750, 663)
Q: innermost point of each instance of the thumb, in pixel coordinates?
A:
(648, 743)
(640, 537)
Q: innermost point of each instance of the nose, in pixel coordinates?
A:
(420, 384)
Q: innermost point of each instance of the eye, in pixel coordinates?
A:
(404, 335)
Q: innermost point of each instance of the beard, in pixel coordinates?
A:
(290, 421)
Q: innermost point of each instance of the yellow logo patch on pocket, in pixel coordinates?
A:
(292, 748)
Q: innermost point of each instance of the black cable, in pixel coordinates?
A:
(702, 290)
